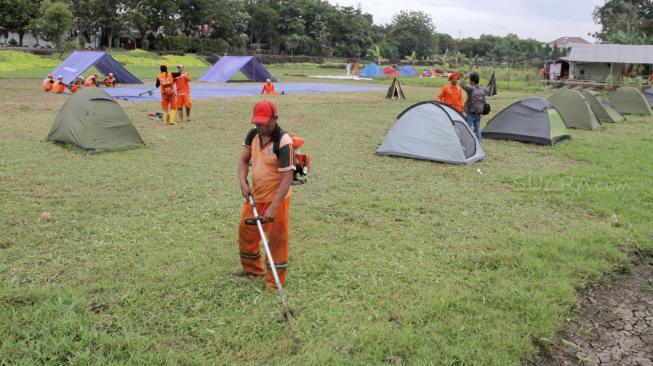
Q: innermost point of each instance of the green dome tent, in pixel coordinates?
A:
(531, 119)
(93, 121)
(574, 109)
(604, 112)
(628, 100)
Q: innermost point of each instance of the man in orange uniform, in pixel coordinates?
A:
(91, 81)
(166, 82)
(76, 85)
(268, 87)
(182, 78)
(48, 83)
(271, 153)
(59, 86)
(110, 81)
(450, 94)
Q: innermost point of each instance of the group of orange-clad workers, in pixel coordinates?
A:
(175, 94)
(175, 90)
(50, 84)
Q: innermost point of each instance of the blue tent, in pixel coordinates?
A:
(407, 70)
(372, 71)
(80, 61)
(228, 66)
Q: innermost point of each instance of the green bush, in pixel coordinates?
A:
(12, 42)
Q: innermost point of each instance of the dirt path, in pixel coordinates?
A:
(614, 325)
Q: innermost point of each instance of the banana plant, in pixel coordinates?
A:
(411, 59)
(376, 52)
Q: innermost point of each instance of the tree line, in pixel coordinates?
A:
(307, 27)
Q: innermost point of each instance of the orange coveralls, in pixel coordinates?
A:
(59, 87)
(267, 171)
(166, 83)
(268, 89)
(110, 82)
(75, 87)
(452, 96)
(183, 91)
(47, 84)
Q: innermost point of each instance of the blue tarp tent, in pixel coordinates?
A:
(228, 66)
(372, 71)
(407, 70)
(80, 61)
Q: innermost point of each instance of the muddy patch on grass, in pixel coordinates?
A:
(614, 325)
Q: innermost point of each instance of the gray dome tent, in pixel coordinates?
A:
(574, 109)
(604, 112)
(531, 119)
(628, 100)
(93, 121)
(432, 131)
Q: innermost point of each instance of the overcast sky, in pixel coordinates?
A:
(542, 20)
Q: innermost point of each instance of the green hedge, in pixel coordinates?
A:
(180, 44)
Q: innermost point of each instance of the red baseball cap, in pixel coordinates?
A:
(264, 111)
(454, 75)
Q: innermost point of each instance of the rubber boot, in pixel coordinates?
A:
(173, 114)
(165, 118)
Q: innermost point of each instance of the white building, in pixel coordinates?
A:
(596, 61)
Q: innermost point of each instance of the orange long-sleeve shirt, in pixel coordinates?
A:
(451, 95)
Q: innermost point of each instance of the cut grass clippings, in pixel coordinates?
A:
(392, 259)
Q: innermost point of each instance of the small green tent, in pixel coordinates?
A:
(93, 121)
(604, 112)
(574, 109)
(629, 100)
(531, 119)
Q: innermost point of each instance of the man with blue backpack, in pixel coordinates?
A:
(475, 106)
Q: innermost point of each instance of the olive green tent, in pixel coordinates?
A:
(530, 120)
(604, 112)
(93, 121)
(574, 109)
(629, 100)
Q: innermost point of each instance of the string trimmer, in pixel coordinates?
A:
(258, 221)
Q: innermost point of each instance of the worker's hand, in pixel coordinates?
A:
(269, 214)
(246, 191)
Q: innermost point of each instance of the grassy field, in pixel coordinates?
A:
(125, 257)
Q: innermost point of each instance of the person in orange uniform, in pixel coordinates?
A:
(48, 83)
(91, 81)
(166, 82)
(182, 78)
(59, 86)
(450, 94)
(76, 85)
(268, 88)
(110, 81)
(271, 153)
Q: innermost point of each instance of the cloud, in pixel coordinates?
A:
(544, 21)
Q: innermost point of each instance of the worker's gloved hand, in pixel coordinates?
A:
(246, 191)
(269, 214)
